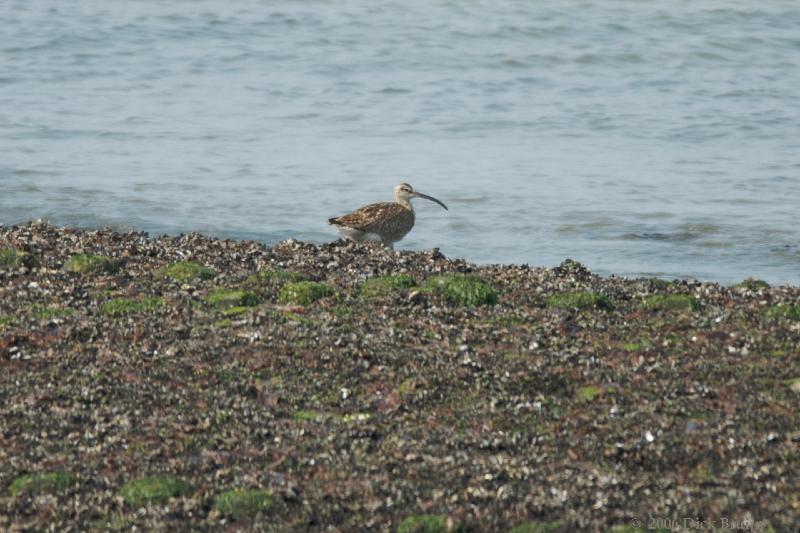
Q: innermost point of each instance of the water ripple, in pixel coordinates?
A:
(612, 137)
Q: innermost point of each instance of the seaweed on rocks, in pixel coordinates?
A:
(345, 386)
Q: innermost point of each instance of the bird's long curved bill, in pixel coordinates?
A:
(431, 198)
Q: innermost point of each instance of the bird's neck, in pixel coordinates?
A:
(405, 202)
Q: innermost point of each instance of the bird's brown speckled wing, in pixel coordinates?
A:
(365, 218)
(388, 219)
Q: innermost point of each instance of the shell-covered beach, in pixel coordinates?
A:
(185, 382)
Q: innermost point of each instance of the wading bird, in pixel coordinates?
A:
(387, 222)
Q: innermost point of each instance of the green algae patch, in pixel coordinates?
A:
(91, 264)
(303, 415)
(236, 310)
(424, 523)
(589, 393)
(788, 311)
(184, 271)
(12, 258)
(408, 386)
(42, 483)
(463, 289)
(669, 302)
(44, 312)
(153, 490)
(7, 320)
(752, 284)
(270, 275)
(580, 300)
(537, 527)
(125, 306)
(304, 292)
(386, 285)
(242, 504)
(637, 346)
(229, 298)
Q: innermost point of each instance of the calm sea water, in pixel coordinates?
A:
(640, 138)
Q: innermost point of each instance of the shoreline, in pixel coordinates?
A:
(297, 387)
(689, 272)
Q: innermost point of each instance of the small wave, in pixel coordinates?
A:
(684, 233)
(60, 42)
(658, 236)
(510, 62)
(700, 228)
(588, 59)
(598, 59)
(649, 215)
(648, 236)
(710, 56)
(45, 132)
(716, 244)
(394, 90)
(468, 199)
(25, 172)
(583, 227)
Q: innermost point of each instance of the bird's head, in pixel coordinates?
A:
(405, 192)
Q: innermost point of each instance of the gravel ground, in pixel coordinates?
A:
(178, 383)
